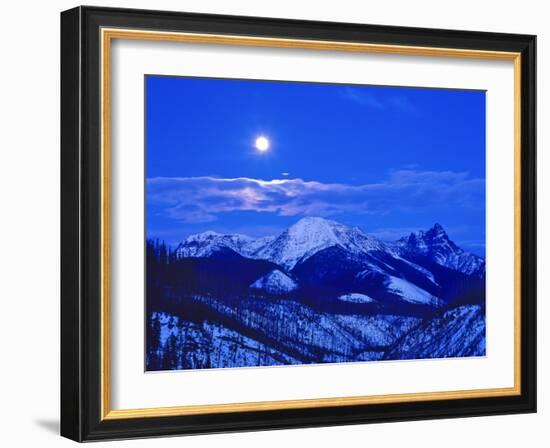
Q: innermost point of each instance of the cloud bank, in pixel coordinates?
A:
(203, 199)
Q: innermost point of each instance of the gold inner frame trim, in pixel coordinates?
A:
(107, 35)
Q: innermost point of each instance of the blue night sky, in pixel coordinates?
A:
(389, 160)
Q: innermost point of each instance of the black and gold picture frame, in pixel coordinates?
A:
(273, 223)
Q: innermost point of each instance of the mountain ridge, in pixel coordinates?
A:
(310, 235)
(435, 244)
(317, 292)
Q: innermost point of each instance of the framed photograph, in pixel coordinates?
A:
(275, 224)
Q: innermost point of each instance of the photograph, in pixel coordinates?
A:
(292, 223)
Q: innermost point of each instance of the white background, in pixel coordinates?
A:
(29, 185)
(132, 388)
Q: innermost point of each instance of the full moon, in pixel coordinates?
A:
(261, 143)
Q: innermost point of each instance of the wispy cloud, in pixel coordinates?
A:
(369, 98)
(204, 199)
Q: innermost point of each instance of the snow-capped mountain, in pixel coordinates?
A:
(318, 292)
(311, 235)
(209, 243)
(436, 246)
(303, 239)
(324, 258)
(275, 283)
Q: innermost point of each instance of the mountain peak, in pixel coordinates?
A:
(314, 221)
(313, 234)
(203, 235)
(426, 239)
(208, 243)
(434, 243)
(437, 230)
(433, 235)
(314, 231)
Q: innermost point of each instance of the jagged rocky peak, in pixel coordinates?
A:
(436, 245)
(425, 241)
(434, 235)
(437, 229)
(275, 282)
(437, 234)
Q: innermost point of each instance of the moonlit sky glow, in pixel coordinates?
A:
(262, 143)
(389, 160)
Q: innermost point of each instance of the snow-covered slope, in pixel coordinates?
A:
(311, 235)
(458, 332)
(436, 245)
(283, 332)
(410, 292)
(189, 345)
(256, 332)
(355, 297)
(208, 243)
(275, 282)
